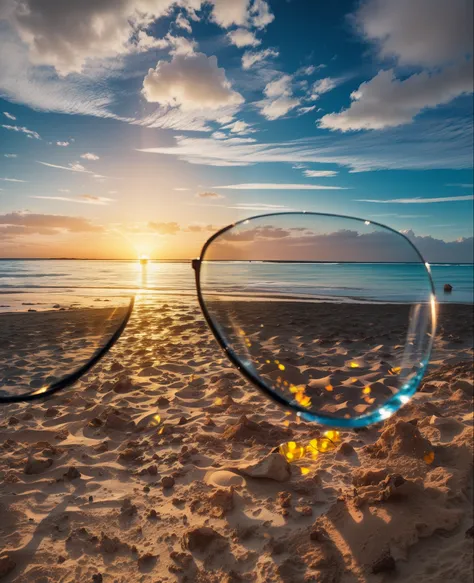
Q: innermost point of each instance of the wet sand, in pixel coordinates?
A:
(158, 466)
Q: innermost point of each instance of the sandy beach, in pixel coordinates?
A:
(159, 466)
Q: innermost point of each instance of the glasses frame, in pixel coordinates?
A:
(386, 410)
(77, 374)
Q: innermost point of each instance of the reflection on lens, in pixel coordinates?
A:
(332, 315)
(47, 337)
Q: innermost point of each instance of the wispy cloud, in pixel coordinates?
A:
(82, 199)
(428, 143)
(23, 130)
(320, 173)
(462, 185)
(10, 155)
(72, 167)
(12, 180)
(62, 144)
(277, 186)
(416, 200)
(9, 115)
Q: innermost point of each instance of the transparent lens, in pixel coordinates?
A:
(333, 315)
(46, 337)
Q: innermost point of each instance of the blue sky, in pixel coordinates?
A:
(145, 124)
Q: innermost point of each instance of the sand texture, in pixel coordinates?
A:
(160, 465)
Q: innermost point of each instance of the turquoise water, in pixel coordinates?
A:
(22, 281)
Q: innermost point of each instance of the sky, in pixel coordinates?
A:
(134, 127)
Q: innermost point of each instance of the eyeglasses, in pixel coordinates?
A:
(331, 316)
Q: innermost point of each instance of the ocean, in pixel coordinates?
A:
(42, 283)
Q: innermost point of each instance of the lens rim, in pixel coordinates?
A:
(77, 374)
(381, 413)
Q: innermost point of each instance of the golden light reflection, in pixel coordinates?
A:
(429, 457)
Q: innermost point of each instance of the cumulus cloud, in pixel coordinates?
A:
(241, 37)
(394, 26)
(251, 58)
(213, 195)
(241, 13)
(275, 243)
(386, 101)
(9, 115)
(191, 82)
(62, 144)
(419, 200)
(320, 173)
(43, 224)
(51, 31)
(164, 228)
(279, 98)
(90, 156)
(23, 130)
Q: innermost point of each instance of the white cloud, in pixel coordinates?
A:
(386, 101)
(419, 200)
(53, 36)
(181, 45)
(89, 156)
(65, 190)
(251, 58)
(219, 135)
(182, 22)
(239, 12)
(9, 115)
(322, 86)
(190, 82)
(260, 14)
(12, 180)
(239, 127)
(226, 13)
(428, 144)
(75, 167)
(465, 185)
(62, 144)
(29, 133)
(303, 110)
(320, 173)
(279, 98)
(277, 186)
(180, 189)
(10, 155)
(421, 32)
(242, 37)
(82, 199)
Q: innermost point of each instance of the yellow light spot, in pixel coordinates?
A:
(218, 401)
(305, 471)
(160, 431)
(277, 362)
(286, 423)
(395, 370)
(281, 366)
(354, 365)
(156, 419)
(353, 380)
(241, 333)
(288, 413)
(292, 450)
(429, 457)
(286, 383)
(333, 435)
(267, 361)
(294, 389)
(303, 399)
(366, 390)
(329, 388)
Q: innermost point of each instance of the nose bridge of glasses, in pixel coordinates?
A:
(195, 263)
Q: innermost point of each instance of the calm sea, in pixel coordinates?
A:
(40, 283)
